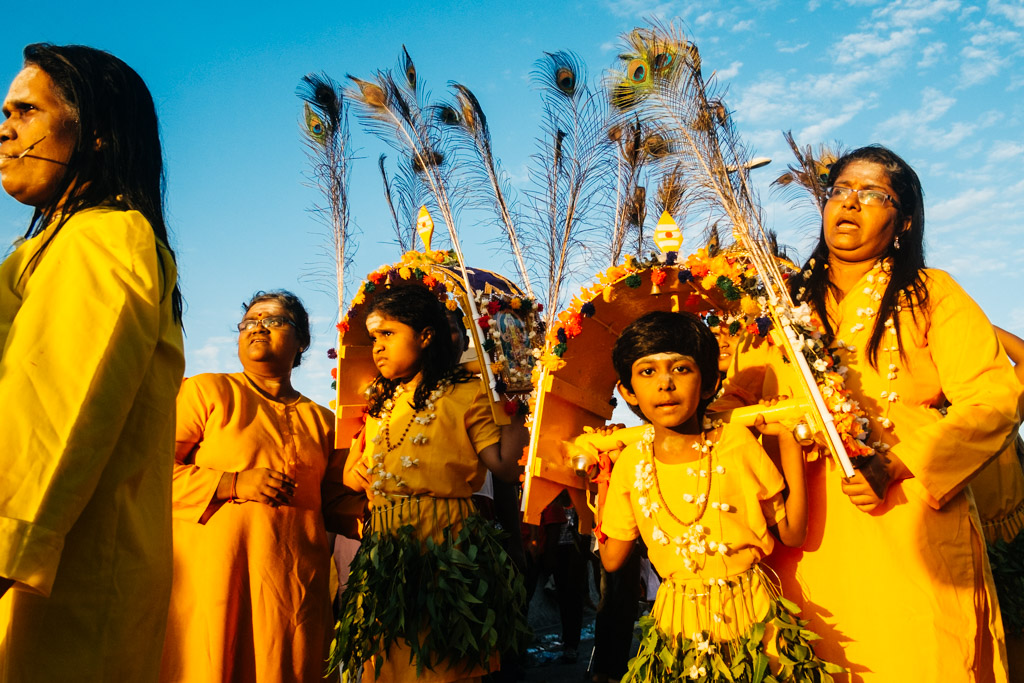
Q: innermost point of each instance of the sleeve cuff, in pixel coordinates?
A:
(29, 555)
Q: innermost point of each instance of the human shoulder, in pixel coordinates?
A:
(105, 224)
(941, 285)
(737, 443)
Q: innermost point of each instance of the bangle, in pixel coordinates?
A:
(234, 480)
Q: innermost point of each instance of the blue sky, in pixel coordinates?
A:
(940, 82)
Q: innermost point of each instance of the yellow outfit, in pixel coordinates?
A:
(91, 361)
(426, 481)
(744, 498)
(250, 600)
(904, 593)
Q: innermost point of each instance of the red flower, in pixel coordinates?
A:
(573, 325)
(540, 307)
(484, 322)
(342, 326)
(493, 307)
(658, 276)
(429, 280)
(699, 270)
(511, 407)
(376, 278)
(334, 373)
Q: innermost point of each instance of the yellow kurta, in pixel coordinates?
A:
(250, 601)
(750, 487)
(440, 475)
(91, 362)
(904, 593)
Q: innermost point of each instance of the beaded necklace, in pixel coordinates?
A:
(692, 543)
(382, 439)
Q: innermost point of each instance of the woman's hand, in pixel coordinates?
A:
(264, 485)
(860, 492)
(357, 477)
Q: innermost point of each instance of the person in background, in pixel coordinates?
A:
(257, 485)
(91, 339)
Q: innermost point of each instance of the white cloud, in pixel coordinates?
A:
(729, 72)
(217, 354)
(745, 25)
(930, 54)
(969, 200)
(786, 48)
(1004, 150)
(1013, 11)
(916, 12)
(856, 47)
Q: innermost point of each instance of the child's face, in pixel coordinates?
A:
(666, 389)
(727, 345)
(397, 347)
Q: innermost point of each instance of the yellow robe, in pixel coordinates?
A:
(750, 485)
(905, 593)
(440, 474)
(251, 600)
(91, 362)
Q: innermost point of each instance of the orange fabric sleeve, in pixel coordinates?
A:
(979, 383)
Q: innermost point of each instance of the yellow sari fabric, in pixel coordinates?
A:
(91, 361)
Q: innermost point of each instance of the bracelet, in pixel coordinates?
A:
(234, 480)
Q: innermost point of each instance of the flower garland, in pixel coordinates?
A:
(384, 446)
(692, 543)
(731, 277)
(415, 267)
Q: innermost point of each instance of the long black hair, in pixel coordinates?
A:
(117, 160)
(418, 308)
(906, 287)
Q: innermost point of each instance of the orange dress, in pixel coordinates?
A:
(90, 361)
(905, 593)
(250, 599)
(424, 482)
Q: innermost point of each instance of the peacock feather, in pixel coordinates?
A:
(326, 135)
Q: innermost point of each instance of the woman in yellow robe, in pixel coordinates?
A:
(91, 344)
(255, 474)
(899, 587)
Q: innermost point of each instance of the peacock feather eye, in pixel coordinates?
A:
(566, 80)
(315, 125)
(637, 71)
(662, 62)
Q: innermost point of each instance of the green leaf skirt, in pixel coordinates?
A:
(663, 658)
(431, 574)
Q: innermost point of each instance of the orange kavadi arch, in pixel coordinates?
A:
(506, 334)
(575, 377)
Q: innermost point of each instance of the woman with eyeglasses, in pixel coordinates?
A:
(257, 483)
(899, 585)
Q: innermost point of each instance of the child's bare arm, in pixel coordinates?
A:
(614, 553)
(792, 529)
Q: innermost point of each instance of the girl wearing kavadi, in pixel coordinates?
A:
(432, 596)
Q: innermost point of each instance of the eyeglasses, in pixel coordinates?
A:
(269, 323)
(865, 197)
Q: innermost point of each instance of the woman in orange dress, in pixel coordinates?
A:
(256, 481)
(899, 586)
